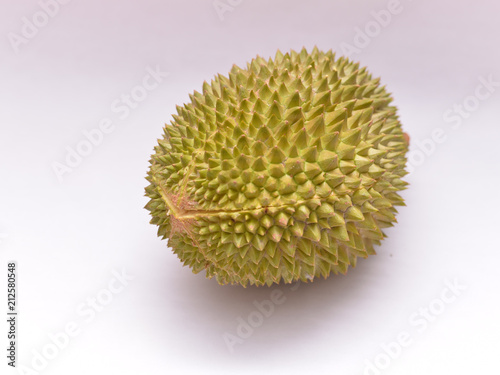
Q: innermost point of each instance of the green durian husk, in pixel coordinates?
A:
(285, 170)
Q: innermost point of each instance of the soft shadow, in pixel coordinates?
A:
(211, 311)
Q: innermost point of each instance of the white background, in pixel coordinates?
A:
(67, 237)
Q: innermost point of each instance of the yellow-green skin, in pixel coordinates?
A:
(286, 170)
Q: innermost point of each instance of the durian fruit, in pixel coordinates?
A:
(286, 170)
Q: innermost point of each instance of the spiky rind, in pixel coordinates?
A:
(286, 170)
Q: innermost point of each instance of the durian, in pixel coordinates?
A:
(286, 170)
